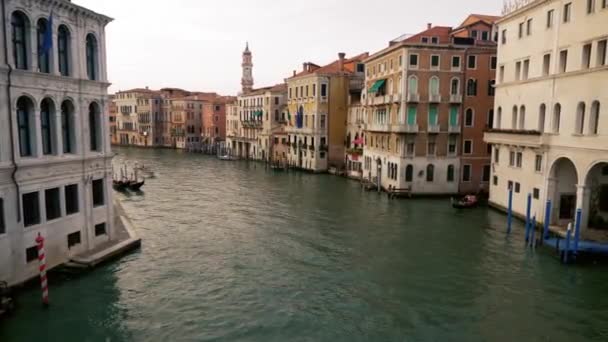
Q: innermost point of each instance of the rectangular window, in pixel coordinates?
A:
(323, 90)
(456, 62)
(424, 40)
(495, 181)
(567, 12)
(435, 62)
(586, 56)
(31, 254)
(474, 34)
(431, 147)
(520, 33)
(563, 60)
(496, 155)
(2, 223)
(100, 229)
(538, 163)
(468, 147)
(487, 170)
(517, 188)
(512, 158)
(71, 199)
(314, 91)
(517, 71)
(493, 62)
(53, 205)
(31, 209)
(519, 159)
(491, 87)
(453, 116)
(98, 192)
(466, 173)
(546, 64)
(536, 193)
(529, 27)
(503, 37)
(452, 145)
(74, 239)
(550, 14)
(411, 115)
(590, 6)
(501, 74)
(472, 62)
(526, 69)
(601, 51)
(323, 121)
(434, 40)
(485, 35)
(413, 61)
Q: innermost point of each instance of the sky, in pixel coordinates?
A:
(197, 44)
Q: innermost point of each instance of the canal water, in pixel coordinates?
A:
(234, 252)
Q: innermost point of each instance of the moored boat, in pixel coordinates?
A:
(468, 201)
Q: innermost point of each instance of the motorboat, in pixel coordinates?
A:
(468, 201)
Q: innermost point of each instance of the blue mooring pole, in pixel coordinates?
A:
(533, 228)
(567, 249)
(547, 222)
(528, 209)
(577, 230)
(510, 211)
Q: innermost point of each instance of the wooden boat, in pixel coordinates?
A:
(135, 185)
(467, 202)
(120, 185)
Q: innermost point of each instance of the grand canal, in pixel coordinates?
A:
(233, 252)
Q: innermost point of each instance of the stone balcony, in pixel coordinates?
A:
(455, 98)
(375, 127)
(434, 128)
(454, 129)
(413, 97)
(533, 139)
(404, 128)
(434, 98)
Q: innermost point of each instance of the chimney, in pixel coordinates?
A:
(429, 26)
(294, 72)
(341, 56)
(305, 66)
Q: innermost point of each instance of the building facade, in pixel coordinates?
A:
(55, 158)
(317, 112)
(112, 114)
(422, 95)
(550, 138)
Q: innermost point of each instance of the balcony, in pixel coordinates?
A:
(455, 98)
(357, 83)
(311, 147)
(434, 128)
(378, 127)
(434, 98)
(533, 139)
(396, 98)
(454, 129)
(404, 128)
(413, 97)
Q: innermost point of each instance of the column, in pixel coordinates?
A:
(58, 131)
(33, 47)
(551, 196)
(583, 200)
(37, 145)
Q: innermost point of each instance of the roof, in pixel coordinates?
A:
(260, 91)
(350, 65)
(475, 18)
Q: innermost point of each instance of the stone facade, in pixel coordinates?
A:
(55, 158)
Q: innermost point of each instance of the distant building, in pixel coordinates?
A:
(550, 132)
(55, 157)
(135, 121)
(112, 113)
(428, 99)
(318, 107)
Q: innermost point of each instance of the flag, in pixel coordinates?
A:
(47, 43)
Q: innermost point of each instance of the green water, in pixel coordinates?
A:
(233, 252)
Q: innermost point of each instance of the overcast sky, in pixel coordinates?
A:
(197, 44)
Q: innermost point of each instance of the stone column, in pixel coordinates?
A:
(583, 200)
(33, 35)
(58, 131)
(37, 145)
(551, 196)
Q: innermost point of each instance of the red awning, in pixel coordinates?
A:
(358, 141)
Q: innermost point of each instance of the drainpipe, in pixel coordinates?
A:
(10, 114)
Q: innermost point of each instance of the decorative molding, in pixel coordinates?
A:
(510, 6)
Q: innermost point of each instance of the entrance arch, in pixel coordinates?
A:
(562, 191)
(595, 208)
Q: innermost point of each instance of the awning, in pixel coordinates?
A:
(376, 86)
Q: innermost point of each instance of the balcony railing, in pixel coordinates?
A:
(396, 98)
(455, 98)
(355, 151)
(454, 129)
(411, 97)
(434, 98)
(378, 127)
(434, 128)
(404, 128)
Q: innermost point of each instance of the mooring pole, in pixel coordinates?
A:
(577, 230)
(528, 209)
(533, 234)
(510, 211)
(567, 249)
(44, 286)
(546, 223)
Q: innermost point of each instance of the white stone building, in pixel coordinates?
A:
(55, 158)
(550, 133)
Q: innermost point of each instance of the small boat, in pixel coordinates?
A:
(120, 185)
(468, 201)
(227, 158)
(135, 185)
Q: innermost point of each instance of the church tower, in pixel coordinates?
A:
(247, 80)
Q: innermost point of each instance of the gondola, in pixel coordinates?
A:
(467, 202)
(136, 186)
(120, 185)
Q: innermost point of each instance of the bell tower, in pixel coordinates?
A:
(247, 80)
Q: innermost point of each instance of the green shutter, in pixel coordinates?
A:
(433, 115)
(411, 115)
(453, 116)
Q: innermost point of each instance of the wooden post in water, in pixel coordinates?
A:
(528, 210)
(546, 223)
(567, 248)
(577, 230)
(533, 234)
(510, 211)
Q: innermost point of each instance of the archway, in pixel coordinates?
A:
(595, 205)
(562, 191)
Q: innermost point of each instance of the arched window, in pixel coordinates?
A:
(20, 26)
(450, 177)
(92, 57)
(63, 46)
(594, 119)
(430, 173)
(348, 138)
(514, 118)
(44, 58)
(498, 121)
(580, 118)
(434, 85)
(47, 127)
(541, 118)
(455, 86)
(469, 118)
(25, 111)
(413, 85)
(409, 173)
(95, 127)
(522, 117)
(557, 113)
(471, 87)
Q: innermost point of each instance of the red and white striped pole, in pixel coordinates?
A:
(43, 280)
